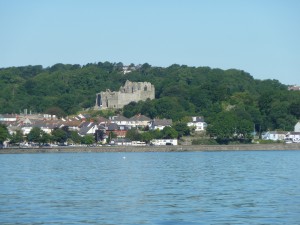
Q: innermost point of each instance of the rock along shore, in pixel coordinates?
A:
(178, 148)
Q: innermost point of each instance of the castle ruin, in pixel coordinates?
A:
(130, 92)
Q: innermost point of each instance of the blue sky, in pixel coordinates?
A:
(261, 37)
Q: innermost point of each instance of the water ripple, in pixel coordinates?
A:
(151, 188)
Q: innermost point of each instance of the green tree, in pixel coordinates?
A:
(156, 134)
(147, 137)
(111, 135)
(75, 137)
(59, 135)
(170, 108)
(45, 138)
(4, 134)
(295, 109)
(88, 139)
(244, 130)
(148, 109)
(17, 137)
(227, 127)
(131, 109)
(35, 135)
(182, 129)
(56, 111)
(223, 127)
(133, 135)
(169, 133)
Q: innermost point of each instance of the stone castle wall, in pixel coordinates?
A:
(130, 92)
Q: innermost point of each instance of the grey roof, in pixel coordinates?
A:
(101, 127)
(9, 123)
(101, 119)
(198, 119)
(140, 118)
(86, 115)
(119, 118)
(162, 122)
(87, 124)
(84, 124)
(84, 130)
(112, 126)
(8, 116)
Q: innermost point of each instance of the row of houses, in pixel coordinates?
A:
(197, 122)
(155, 142)
(288, 136)
(84, 125)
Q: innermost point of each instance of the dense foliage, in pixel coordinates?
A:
(231, 101)
(37, 135)
(3, 134)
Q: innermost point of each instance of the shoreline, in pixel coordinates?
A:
(177, 148)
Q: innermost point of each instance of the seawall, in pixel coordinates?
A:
(179, 148)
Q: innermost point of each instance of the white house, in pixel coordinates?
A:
(160, 124)
(8, 118)
(46, 128)
(294, 137)
(274, 135)
(297, 127)
(26, 129)
(198, 123)
(121, 141)
(158, 142)
(138, 143)
(140, 121)
(122, 121)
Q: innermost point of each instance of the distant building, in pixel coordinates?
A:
(128, 69)
(159, 124)
(274, 135)
(297, 127)
(130, 92)
(8, 118)
(294, 88)
(120, 141)
(293, 136)
(198, 123)
(159, 142)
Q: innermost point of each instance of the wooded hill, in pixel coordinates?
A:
(223, 97)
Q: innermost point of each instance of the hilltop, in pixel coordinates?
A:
(221, 96)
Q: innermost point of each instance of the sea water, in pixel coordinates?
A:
(232, 187)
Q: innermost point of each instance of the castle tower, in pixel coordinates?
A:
(130, 92)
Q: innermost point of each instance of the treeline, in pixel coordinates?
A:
(226, 98)
(40, 137)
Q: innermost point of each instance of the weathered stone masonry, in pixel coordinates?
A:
(130, 92)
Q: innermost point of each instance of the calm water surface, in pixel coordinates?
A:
(238, 187)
